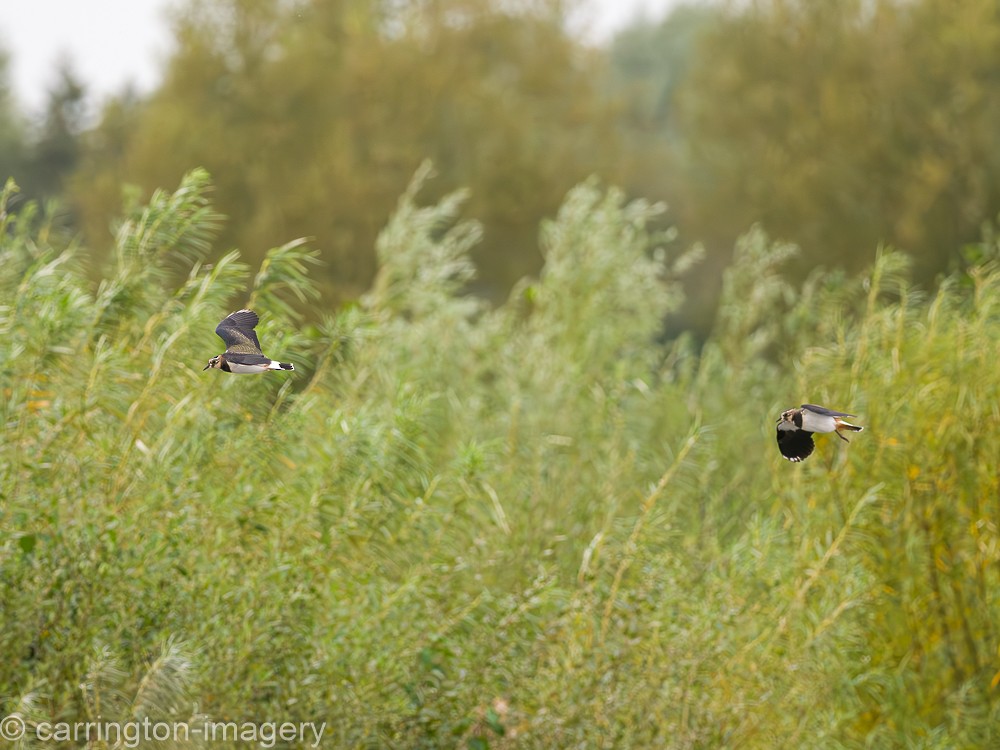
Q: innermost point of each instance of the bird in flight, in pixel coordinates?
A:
(796, 427)
(243, 354)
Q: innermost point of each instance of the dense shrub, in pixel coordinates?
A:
(537, 525)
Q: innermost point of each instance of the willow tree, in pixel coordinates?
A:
(843, 123)
(312, 116)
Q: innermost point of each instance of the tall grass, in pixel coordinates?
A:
(529, 526)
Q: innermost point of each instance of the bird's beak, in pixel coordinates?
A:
(206, 367)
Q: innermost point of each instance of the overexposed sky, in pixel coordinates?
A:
(112, 43)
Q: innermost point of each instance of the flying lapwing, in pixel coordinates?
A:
(796, 426)
(243, 355)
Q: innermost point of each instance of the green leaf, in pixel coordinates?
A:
(27, 543)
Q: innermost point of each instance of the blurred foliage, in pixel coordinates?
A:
(56, 148)
(313, 115)
(526, 526)
(843, 123)
(12, 127)
(648, 64)
(836, 125)
(43, 154)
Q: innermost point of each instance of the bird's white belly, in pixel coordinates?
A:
(246, 369)
(817, 422)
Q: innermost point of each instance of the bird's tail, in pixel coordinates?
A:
(280, 366)
(842, 425)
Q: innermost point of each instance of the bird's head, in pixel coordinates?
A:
(214, 362)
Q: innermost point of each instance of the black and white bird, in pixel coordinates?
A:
(796, 427)
(243, 355)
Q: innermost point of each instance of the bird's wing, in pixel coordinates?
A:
(795, 445)
(237, 332)
(822, 410)
(251, 358)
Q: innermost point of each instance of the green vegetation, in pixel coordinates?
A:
(836, 124)
(313, 115)
(528, 526)
(843, 123)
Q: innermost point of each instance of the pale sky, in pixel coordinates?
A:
(111, 43)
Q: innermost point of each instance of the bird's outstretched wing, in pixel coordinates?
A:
(238, 358)
(795, 445)
(822, 410)
(237, 332)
